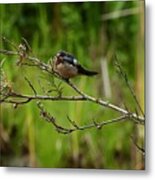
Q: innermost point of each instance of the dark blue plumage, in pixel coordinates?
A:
(67, 57)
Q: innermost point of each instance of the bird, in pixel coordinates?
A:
(67, 66)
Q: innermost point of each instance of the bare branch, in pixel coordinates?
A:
(6, 52)
(27, 44)
(76, 127)
(31, 86)
(48, 68)
(43, 97)
(10, 43)
(29, 98)
(106, 104)
(125, 78)
(142, 150)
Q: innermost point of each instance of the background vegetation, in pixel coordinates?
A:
(90, 32)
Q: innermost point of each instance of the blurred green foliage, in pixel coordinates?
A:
(77, 28)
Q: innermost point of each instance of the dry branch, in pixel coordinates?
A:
(9, 98)
(8, 95)
(76, 127)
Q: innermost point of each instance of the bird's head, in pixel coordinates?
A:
(63, 56)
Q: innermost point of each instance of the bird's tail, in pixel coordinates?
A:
(83, 71)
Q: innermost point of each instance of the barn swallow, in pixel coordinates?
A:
(67, 66)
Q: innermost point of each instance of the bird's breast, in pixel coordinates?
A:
(66, 70)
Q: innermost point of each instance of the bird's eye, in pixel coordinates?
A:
(61, 53)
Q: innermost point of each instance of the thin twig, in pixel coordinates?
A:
(43, 97)
(10, 43)
(6, 52)
(31, 86)
(142, 150)
(125, 78)
(76, 127)
(27, 44)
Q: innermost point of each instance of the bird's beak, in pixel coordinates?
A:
(58, 54)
